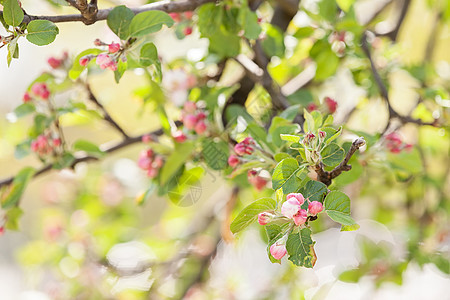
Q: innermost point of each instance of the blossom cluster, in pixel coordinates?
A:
(56, 63)
(330, 105)
(45, 145)
(246, 147)
(39, 90)
(395, 144)
(185, 17)
(291, 209)
(150, 162)
(193, 117)
(107, 59)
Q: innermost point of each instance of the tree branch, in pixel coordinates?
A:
(106, 115)
(393, 34)
(126, 142)
(102, 14)
(384, 92)
(326, 177)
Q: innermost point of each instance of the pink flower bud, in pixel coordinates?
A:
(113, 66)
(152, 173)
(249, 150)
(97, 42)
(45, 94)
(233, 161)
(278, 250)
(251, 174)
(187, 30)
(322, 134)
(34, 146)
(264, 218)
(188, 14)
(2, 230)
(179, 136)
(201, 116)
(85, 60)
(54, 62)
(103, 60)
(189, 121)
(298, 196)
(190, 107)
(258, 182)
(40, 89)
(240, 149)
(290, 207)
(248, 141)
(149, 153)
(200, 127)
(57, 142)
(158, 162)
(311, 107)
(26, 97)
(331, 104)
(315, 207)
(144, 162)
(175, 16)
(146, 138)
(113, 47)
(300, 217)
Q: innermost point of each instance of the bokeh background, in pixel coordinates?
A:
(73, 218)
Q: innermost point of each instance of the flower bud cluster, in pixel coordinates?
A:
(108, 59)
(246, 147)
(184, 18)
(44, 145)
(291, 209)
(194, 118)
(38, 90)
(56, 63)
(395, 144)
(150, 162)
(256, 180)
(330, 106)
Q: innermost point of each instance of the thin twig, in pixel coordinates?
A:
(326, 177)
(106, 115)
(102, 14)
(384, 92)
(126, 142)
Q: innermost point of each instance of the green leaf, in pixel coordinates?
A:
(184, 193)
(176, 160)
(12, 218)
(291, 112)
(251, 26)
(280, 156)
(64, 162)
(24, 109)
(328, 9)
(300, 248)
(13, 50)
(260, 135)
(12, 196)
(314, 190)
(286, 176)
(41, 32)
(224, 43)
(273, 43)
(12, 13)
(149, 22)
(281, 126)
(345, 4)
(22, 149)
(149, 55)
(290, 138)
(121, 68)
(350, 227)
(309, 125)
(88, 147)
(332, 155)
(336, 133)
(327, 64)
(77, 69)
(337, 206)
(119, 20)
(215, 153)
(249, 214)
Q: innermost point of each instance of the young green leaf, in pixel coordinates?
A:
(12, 196)
(249, 214)
(149, 22)
(77, 69)
(119, 20)
(175, 161)
(285, 176)
(300, 248)
(41, 32)
(12, 13)
(332, 155)
(88, 147)
(149, 55)
(337, 206)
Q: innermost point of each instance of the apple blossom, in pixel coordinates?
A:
(54, 62)
(331, 104)
(179, 136)
(113, 47)
(290, 207)
(233, 161)
(265, 217)
(190, 107)
(278, 250)
(26, 97)
(240, 149)
(146, 138)
(189, 121)
(85, 60)
(315, 207)
(200, 127)
(300, 217)
(187, 30)
(298, 196)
